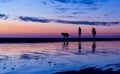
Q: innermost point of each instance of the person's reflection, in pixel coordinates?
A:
(65, 45)
(93, 46)
(79, 46)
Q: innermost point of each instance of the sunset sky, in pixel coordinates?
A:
(48, 18)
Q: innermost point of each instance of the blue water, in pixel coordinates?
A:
(48, 58)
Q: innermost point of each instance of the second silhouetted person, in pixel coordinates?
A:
(93, 32)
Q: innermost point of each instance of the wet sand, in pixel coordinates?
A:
(90, 70)
(87, 57)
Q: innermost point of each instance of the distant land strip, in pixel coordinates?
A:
(37, 40)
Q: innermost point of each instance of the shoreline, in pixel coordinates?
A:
(35, 40)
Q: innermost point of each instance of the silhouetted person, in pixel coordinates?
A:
(65, 35)
(93, 46)
(79, 32)
(93, 32)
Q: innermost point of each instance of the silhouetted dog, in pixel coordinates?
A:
(65, 35)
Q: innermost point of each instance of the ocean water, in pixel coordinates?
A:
(48, 58)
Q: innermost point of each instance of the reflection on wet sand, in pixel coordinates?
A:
(93, 47)
(65, 45)
(21, 57)
(79, 46)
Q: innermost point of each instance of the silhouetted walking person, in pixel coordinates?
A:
(93, 32)
(79, 42)
(79, 32)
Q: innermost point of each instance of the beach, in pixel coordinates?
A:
(86, 57)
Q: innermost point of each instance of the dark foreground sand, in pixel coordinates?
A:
(34, 40)
(90, 70)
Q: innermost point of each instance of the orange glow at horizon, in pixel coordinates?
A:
(29, 29)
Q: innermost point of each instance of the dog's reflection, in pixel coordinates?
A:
(65, 45)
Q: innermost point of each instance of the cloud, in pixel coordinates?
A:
(75, 7)
(92, 2)
(42, 20)
(78, 12)
(63, 1)
(87, 2)
(3, 16)
(33, 19)
(87, 22)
